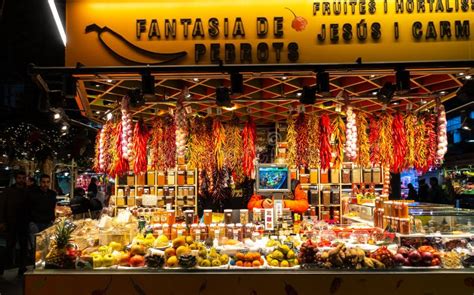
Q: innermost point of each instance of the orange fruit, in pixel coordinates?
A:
(256, 256)
(248, 264)
(261, 261)
(240, 256)
(256, 263)
(239, 263)
(249, 257)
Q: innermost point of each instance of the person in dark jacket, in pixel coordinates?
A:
(79, 204)
(436, 192)
(92, 188)
(411, 192)
(423, 191)
(14, 222)
(42, 205)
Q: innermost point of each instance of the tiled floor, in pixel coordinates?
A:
(10, 284)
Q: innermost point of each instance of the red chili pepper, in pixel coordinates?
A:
(299, 23)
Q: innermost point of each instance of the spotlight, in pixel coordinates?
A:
(148, 86)
(97, 85)
(57, 116)
(403, 81)
(110, 81)
(465, 127)
(372, 76)
(136, 97)
(461, 74)
(374, 92)
(308, 95)
(423, 101)
(299, 93)
(468, 77)
(64, 127)
(97, 112)
(386, 93)
(187, 95)
(442, 92)
(223, 97)
(237, 83)
(284, 78)
(195, 79)
(109, 116)
(66, 174)
(69, 86)
(322, 83)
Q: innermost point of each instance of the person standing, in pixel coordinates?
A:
(42, 207)
(411, 192)
(92, 188)
(31, 182)
(436, 192)
(14, 222)
(423, 191)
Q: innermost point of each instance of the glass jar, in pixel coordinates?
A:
(221, 231)
(248, 230)
(387, 206)
(212, 228)
(229, 231)
(380, 222)
(238, 232)
(405, 226)
(244, 216)
(228, 216)
(396, 224)
(325, 215)
(207, 217)
(189, 216)
(190, 177)
(203, 230)
(174, 231)
(170, 217)
(397, 208)
(404, 211)
(257, 215)
(194, 229)
(386, 221)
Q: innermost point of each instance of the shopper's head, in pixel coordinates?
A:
(93, 180)
(45, 182)
(79, 192)
(421, 181)
(433, 181)
(30, 181)
(410, 186)
(20, 178)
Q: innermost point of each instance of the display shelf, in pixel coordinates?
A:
(358, 219)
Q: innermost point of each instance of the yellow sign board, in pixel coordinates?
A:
(189, 32)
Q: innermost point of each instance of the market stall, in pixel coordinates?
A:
(301, 135)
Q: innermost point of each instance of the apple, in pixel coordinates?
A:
(407, 262)
(404, 251)
(97, 260)
(107, 260)
(125, 259)
(398, 258)
(137, 249)
(115, 246)
(414, 256)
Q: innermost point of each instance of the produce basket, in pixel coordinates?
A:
(264, 266)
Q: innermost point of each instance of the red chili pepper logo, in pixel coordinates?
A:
(299, 23)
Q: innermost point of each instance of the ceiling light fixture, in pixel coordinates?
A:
(284, 78)
(385, 94)
(196, 79)
(461, 74)
(468, 77)
(97, 85)
(237, 83)
(97, 112)
(57, 20)
(372, 76)
(223, 97)
(299, 93)
(57, 116)
(110, 81)
(442, 92)
(64, 127)
(109, 116)
(230, 109)
(402, 81)
(308, 95)
(148, 86)
(423, 101)
(322, 83)
(187, 95)
(374, 92)
(465, 127)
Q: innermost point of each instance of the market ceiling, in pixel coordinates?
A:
(268, 96)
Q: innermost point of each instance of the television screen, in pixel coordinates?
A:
(273, 178)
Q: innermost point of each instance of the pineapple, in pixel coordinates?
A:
(57, 256)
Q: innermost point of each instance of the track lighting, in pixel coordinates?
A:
(308, 95)
(403, 81)
(223, 97)
(237, 83)
(322, 83)
(386, 93)
(148, 86)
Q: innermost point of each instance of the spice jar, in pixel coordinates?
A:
(166, 231)
(194, 231)
(244, 216)
(211, 229)
(404, 210)
(405, 226)
(203, 231)
(325, 215)
(161, 178)
(171, 217)
(386, 221)
(189, 216)
(237, 232)
(228, 216)
(396, 209)
(220, 232)
(174, 231)
(229, 231)
(387, 205)
(248, 230)
(207, 217)
(396, 224)
(181, 178)
(257, 215)
(190, 177)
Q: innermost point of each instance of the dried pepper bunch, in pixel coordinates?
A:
(339, 135)
(249, 139)
(374, 137)
(157, 145)
(325, 131)
(291, 140)
(140, 141)
(233, 149)
(399, 143)
(218, 133)
(410, 126)
(385, 140)
(431, 139)
(313, 140)
(302, 151)
(181, 128)
(363, 152)
(421, 147)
